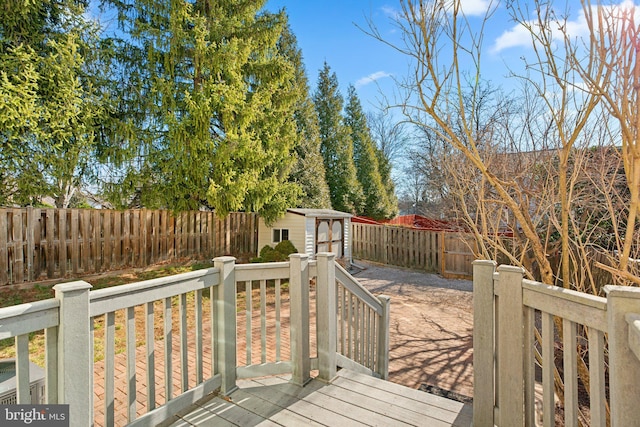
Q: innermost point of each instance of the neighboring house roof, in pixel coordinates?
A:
(414, 221)
(319, 213)
(365, 220)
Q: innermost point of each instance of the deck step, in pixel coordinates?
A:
(351, 399)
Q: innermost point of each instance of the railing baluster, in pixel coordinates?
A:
(151, 362)
(530, 366)
(370, 333)
(131, 363)
(168, 351)
(51, 362)
(349, 325)
(278, 332)
(263, 321)
(249, 315)
(214, 329)
(198, 320)
(184, 346)
(548, 366)
(109, 368)
(597, 398)
(356, 330)
(570, 373)
(343, 339)
(363, 336)
(22, 368)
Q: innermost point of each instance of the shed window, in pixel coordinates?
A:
(280, 234)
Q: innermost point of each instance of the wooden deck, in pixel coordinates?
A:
(352, 399)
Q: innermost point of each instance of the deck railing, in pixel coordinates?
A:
(363, 339)
(516, 325)
(155, 347)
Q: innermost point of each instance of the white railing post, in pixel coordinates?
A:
(510, 346)
(483, 333)
(382, 352)
(326, 315)
(75, 355)
(226, 347)
(624, 366)
(299, 300)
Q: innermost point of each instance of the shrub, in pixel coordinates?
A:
(280, 253)
(286, 248)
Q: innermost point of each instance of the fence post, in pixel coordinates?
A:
(383, 338)
(624, 366)
(385, 244)
(510, 346)
(299, 300)
(75, 355)
(326, 315)
(483, 333)
(226, 348)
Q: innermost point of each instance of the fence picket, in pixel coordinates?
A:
(55, 243)
(443, 252)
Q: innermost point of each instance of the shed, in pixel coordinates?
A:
(311, 231)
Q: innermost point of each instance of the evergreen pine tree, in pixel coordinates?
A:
(384, 167)
(308, 171)
(377, 204)
(50, 107)
(209, 107)
(337, 146)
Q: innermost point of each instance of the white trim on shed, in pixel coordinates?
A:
(302, 226)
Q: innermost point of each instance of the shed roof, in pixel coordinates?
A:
(319, 213)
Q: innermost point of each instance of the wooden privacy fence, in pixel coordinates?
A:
(55, 243)
(444, 252)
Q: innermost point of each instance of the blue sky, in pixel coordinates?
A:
(327, 31)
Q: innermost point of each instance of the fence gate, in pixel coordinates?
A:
(457, 255)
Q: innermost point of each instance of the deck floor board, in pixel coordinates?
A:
(351, 399)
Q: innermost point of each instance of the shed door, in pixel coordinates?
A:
(330, 236)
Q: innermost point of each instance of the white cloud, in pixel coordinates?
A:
(372, 78)
(390, 11)
(519, 36)
(516, 36)
(476, 7)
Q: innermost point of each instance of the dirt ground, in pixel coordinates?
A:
(431, 327)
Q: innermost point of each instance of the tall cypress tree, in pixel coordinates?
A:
(384, 167)
(308, 171)
(337, 146)
(209, 106)
(377, 204)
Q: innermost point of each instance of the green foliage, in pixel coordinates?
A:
(280, 253)
(377, 204)
(384, 167)
(308, 171)
(337, 145)
(208, 109)
(287, 248)
(50, 106)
